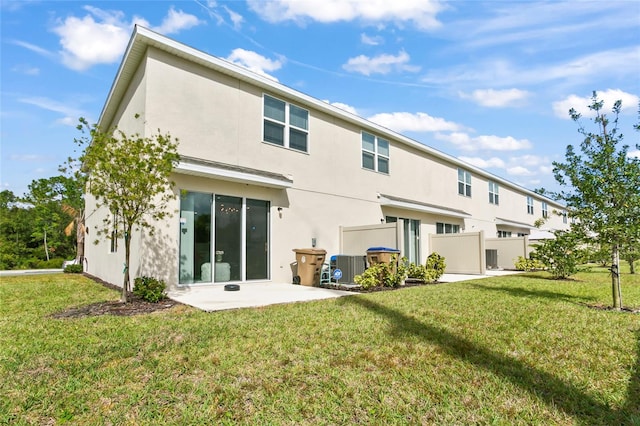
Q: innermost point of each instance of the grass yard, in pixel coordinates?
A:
(519, 349)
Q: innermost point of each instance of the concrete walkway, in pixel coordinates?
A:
(214, 298)
(16, 272)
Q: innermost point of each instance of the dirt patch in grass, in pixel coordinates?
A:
(357, 289)
(134, 306)
(626, 309)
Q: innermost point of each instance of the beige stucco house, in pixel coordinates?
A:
(266, 169)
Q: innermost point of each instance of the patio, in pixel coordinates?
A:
(214, 298)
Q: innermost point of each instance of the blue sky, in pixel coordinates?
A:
(488, 82)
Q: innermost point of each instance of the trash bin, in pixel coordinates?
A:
(309, 262)
(381, 255)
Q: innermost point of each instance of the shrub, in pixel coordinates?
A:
(73, 269)
(383, 274)
(524, 264)
(149, 289)
(560, 256)
(436, 263)
(55, 263)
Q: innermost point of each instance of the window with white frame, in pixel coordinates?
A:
(529, 205)
(493, 193)
(564, 216)
(504, 234)
(375, 153)
(545, 213)
(447, 228)
(464, 183)
(285, 124)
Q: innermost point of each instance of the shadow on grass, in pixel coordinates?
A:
(521, 292)
(547, 387)
(630, 414)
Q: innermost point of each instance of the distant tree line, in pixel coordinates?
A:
(38, 229)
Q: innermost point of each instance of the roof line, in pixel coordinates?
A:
(147, 37)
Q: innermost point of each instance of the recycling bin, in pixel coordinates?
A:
(309, 266)
(381, 255)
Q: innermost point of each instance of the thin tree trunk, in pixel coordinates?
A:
(46, 249)
(80, 241)
(127, 252)
(615, 277)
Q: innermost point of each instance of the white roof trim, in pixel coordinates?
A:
(220, 173)
(513, 224)
(407, 205)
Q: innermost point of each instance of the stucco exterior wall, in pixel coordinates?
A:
(219, 117)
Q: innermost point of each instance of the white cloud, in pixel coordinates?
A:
(29, 158)
(493, 162)
(465, 142)
(610, 63)
(100, 37)
(32, 47)
(496, 98)
(236, 18)
(342, 106)
(254, 62)
(581, 103)
(421, 13)
(382, 64)
(176, 21)
(519, 171)
(26, 70)
(371, 41)
(634, 154)
(418, 122)
(71, 114)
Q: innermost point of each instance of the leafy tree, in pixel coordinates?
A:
(48, 198)
(129, 175)
(603, 184)
(15, 231)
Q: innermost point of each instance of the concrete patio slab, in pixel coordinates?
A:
(215, 298)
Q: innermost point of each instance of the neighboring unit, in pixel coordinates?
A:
(265, 169)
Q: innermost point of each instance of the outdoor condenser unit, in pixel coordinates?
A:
(350, 267)
(492, 258)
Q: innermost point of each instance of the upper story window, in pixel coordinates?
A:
(504, 234)
(447, 228)
(285, 124)
(545, 213)
(529, 205)
(464, 183)
(375, 153)
(564, 216)
(494, 198)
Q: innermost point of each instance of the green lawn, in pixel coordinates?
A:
(511, 350)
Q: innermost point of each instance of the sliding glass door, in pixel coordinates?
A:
(223, 238)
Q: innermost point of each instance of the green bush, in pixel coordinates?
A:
(50, 264)
(436, 263)
(73, 269)
(560, 255)
(524, 264)
(149, 289)
(383, 274)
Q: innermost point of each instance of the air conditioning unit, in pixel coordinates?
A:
(350, 267)
(492, 258)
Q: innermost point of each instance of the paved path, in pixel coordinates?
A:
(16, 272)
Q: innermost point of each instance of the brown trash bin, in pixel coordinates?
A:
(309, 262)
